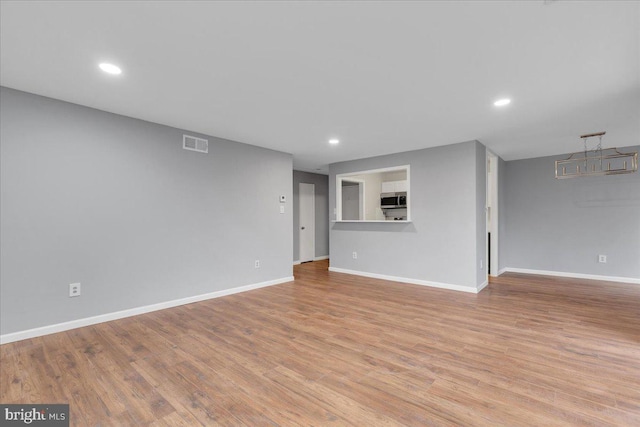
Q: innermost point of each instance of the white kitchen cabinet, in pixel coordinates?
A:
(388, 187)
(394, 186)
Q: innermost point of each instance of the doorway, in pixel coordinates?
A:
(307, 230)
(492, 215)
(352, 200)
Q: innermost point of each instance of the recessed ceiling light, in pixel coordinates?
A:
(334, 141)
(110, 68)
(502, 102)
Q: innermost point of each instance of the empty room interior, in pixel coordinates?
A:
(320, 213)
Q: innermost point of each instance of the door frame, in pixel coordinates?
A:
(491, 210)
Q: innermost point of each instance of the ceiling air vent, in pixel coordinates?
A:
(195, 144)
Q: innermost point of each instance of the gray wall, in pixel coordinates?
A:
(563, 225)
(116, 204)
(443, 242)
(481, 212)
(321, 183)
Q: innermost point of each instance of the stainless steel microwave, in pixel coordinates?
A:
(393, 200)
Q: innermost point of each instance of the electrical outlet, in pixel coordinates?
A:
(602, 259)
(281, 209)
(355, 255)
(74, 289)
(257, 263)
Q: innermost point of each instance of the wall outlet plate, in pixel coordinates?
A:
(257, 263)
(355, 255)
(74, 289)
(602, 259)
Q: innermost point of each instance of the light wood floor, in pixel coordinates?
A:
(334, 349)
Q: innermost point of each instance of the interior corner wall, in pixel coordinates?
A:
(562, 225)
(118, 205)
(441, 244)
(321, 183)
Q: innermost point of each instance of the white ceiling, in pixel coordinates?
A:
(382, 77)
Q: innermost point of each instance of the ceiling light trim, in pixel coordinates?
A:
(502, 102)
(110, 68)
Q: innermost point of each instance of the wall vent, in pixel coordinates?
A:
(195, 144)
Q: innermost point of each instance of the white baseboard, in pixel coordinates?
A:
(482, 285)
(297, 262)
(573, 275)
(501, 271)
(61, 327)
(411, 281)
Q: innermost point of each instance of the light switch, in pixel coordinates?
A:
(281, 209)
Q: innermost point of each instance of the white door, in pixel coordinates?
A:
(307, 222)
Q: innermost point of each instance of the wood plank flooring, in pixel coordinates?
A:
(334, 349)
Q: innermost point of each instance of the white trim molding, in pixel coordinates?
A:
(502, 271)
(87, 321)
(573, 275)
(473, 290)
